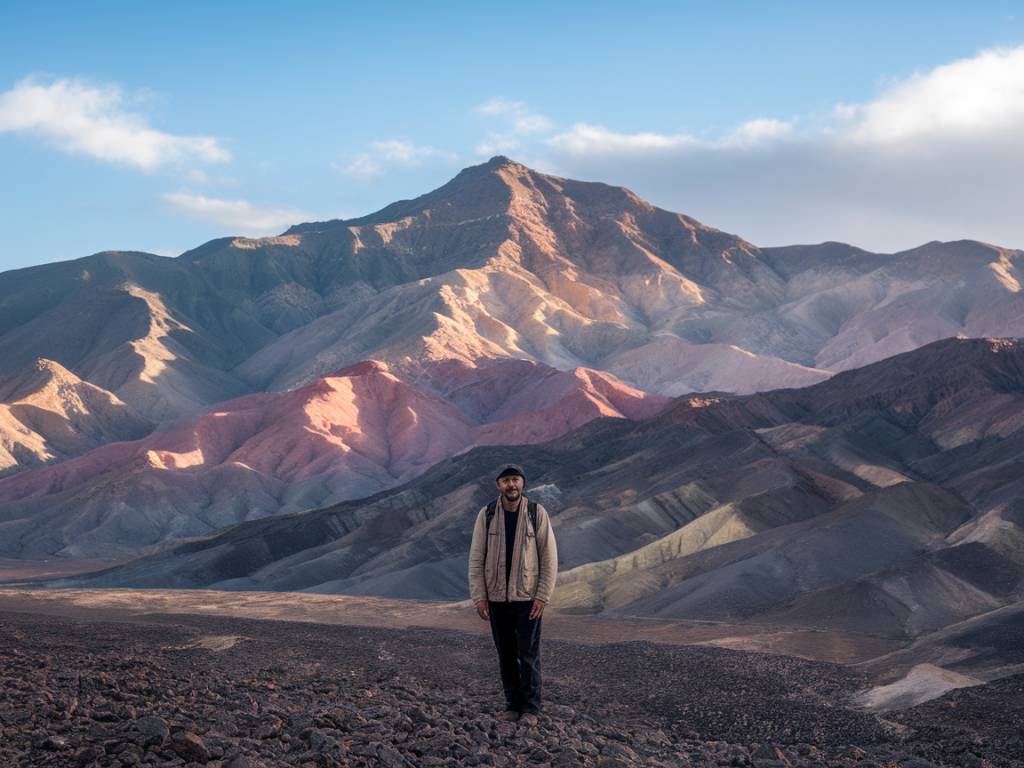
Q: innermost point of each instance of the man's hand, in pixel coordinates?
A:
(483, 609)
(537, 609)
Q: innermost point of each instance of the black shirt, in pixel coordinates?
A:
(511, 519)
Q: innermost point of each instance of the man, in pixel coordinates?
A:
(512, 569)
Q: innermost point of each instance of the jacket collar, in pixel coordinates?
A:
(523, 501)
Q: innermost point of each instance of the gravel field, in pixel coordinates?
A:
(213, 691)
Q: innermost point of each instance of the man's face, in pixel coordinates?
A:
(511, 487)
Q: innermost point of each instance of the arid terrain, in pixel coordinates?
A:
(120, 678)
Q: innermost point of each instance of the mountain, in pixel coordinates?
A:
(885, 500)
(500, 263)
(47, 413)
(760, 574)
(983, 647)
(156, 335)
(346, 435)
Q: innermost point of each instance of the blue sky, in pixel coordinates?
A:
(159, 126)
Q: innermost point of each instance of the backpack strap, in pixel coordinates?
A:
(531, 509)
(491, 509)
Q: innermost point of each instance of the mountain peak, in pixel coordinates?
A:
(52, 367)
(476, 192)
(500, 168)
(362, 368)
(35, 377)
(500, 160)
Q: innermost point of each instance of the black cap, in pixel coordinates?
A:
(511, 471)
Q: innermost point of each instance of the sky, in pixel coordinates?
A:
(159, 126)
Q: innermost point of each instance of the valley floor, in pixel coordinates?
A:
(819, 645)
(112, 686)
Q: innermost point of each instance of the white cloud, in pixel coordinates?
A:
(407, 153)
(361, 166)
(756, 132)
(520, 121)
(524, 121)
(969, 98)
(935, 156)
(496, 144)
(237, 216)
(81, 118)
(585, 139)
(389, 152)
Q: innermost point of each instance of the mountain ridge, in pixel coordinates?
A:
(750, 470)
(612, 282)
(346, 435)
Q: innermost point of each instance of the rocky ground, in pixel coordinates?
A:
(200, 690)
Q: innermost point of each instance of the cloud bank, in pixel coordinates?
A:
(84, 119)
(236, 216)
(937, 155)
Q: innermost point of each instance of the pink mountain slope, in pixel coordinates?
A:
(346, 435)
(361, 420)
(522, 401)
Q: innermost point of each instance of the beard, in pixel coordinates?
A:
(511, 494)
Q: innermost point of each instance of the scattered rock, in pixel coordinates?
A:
(190, 747)
(152, 731)
(328, 699)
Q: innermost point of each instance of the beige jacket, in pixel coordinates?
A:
(534, 558)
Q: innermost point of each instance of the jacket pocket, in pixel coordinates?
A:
(530, 578)
(531, 557)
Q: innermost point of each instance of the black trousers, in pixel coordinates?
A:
(517, 639)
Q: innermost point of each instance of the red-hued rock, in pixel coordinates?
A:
(346, 435)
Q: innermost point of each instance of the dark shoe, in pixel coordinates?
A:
(508, 714)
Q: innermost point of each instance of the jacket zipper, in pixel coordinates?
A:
(521, 576)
